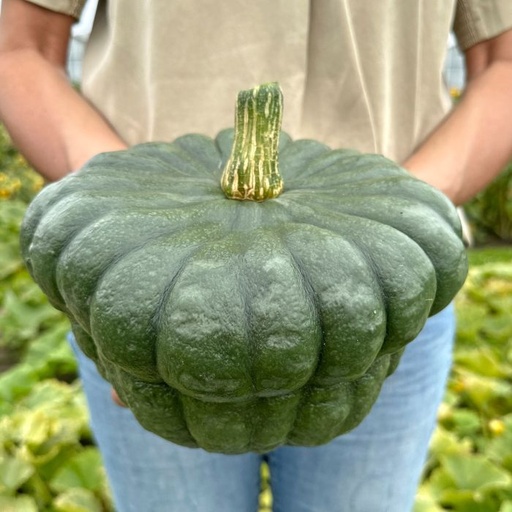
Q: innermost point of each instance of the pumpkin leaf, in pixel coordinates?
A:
(77, 500)
(14, 472)
(439, 482)
(32, 429)
(10, 260)
(20, 321)
(467, 501)
(480, 256)
(483, 361)
(18, 504)
(499, 448)
(464, 421)
(445, 442)
(83, 470)
(482, 392)
(474, 472)
(15, 383)
(425, 502)
(51, 354)
(506, 506)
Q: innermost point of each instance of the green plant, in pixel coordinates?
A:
(470, 465)
(490, 212)
(240, 325)
(47, 460)
(45, 463)
(25, 314)
(17, 178)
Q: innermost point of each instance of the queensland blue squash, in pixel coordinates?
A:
(246, 291)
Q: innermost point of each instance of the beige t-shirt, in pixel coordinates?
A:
(365, 74)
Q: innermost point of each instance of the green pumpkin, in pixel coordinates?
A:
(267, 310)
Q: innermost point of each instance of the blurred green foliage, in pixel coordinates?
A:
(490, 212)
(470, 464)
(48, 462)
(17, 179)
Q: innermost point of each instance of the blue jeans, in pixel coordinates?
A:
(374, 468)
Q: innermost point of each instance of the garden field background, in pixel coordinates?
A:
(48, 460)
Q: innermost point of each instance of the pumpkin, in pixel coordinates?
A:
(263, 311)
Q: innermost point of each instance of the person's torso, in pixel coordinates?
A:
(364, 74)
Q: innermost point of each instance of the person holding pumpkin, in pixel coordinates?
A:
(356, 74)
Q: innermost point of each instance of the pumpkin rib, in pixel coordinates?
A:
(131, 244)
(370, 263)
(47, 198)
(171, 159)
(246, 304)
(203, 341)
(153, 320)
(336, 229)
(314, 297)
(388, 294)
(363, 187)
(158, 314)
(325, 219)
(140, 397)
(194, 146)
(247, 322)
(163, 188)
(85, 342)
(340, 327)
(344, 169)
(289, 300)
(347, 207)
(297, 155)
(52, 225)
(365, 393)
(321, 213)
(162, 192)
(118, 258)
(185, 417)
(107, 264)
(307, 285)
(449, 262)
(414, 193)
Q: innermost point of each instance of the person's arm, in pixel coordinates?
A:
(474, 144)
(53, 126)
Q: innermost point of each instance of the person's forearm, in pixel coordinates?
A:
(470, 148)
(51, 124)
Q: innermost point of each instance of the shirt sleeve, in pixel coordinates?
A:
(71, 7)
(478, 20)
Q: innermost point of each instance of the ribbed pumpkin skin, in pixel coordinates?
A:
(240, 326)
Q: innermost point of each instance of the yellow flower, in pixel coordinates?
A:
(458, 386)
(497, 427)
(455, 93)
(444, 412)
(15, 184)
(38, 183)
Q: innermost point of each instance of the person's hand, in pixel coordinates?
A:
(116, 399)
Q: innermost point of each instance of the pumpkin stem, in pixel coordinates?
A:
(252, 172)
